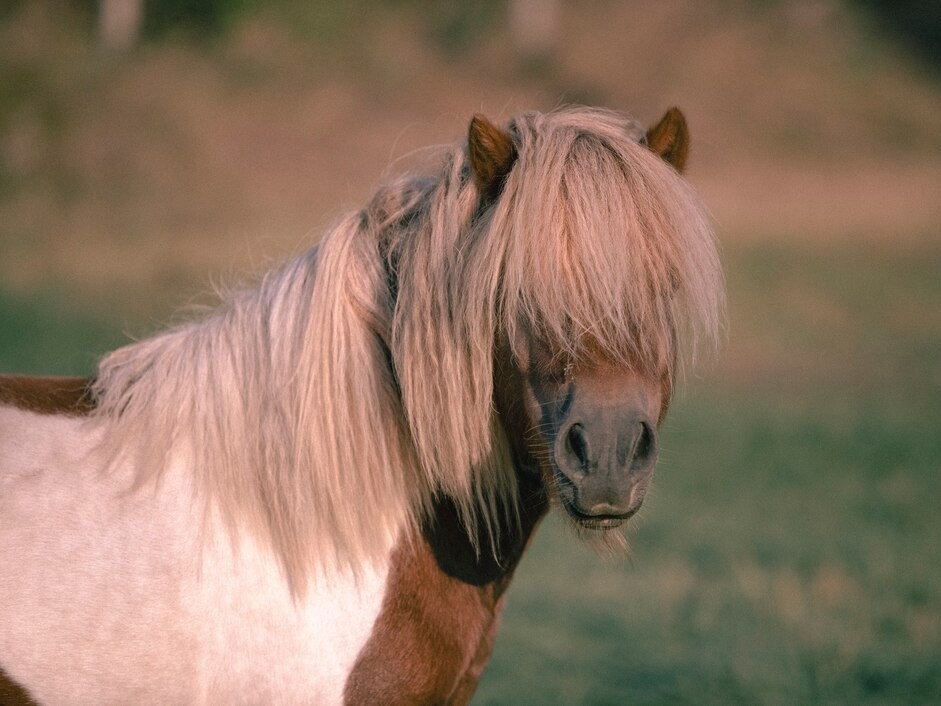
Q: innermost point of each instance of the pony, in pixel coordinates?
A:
(319, 491)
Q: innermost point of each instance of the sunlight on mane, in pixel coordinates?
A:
(325, 409)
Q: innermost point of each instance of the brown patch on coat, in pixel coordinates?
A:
(440, 614)
(427, 638)
(12, 694)
(48, 395)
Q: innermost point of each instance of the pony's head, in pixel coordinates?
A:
(544, 286)
(607, 262)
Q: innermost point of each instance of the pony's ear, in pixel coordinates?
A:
(491, 153)
(670, 138)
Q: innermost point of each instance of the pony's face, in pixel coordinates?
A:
(590, 425)
(591, 428)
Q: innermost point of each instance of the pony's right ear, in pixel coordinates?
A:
(492, 154)
(670, 139)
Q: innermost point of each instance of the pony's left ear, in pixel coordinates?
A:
(670, 138)
(491, 153)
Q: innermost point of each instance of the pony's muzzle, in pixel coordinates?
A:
(606, 466)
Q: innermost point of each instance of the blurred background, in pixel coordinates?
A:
(791, 549)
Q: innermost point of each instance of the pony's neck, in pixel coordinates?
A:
(494, 559)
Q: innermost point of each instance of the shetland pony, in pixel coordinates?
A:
(319, 492)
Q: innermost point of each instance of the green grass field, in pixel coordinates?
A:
(789, 552)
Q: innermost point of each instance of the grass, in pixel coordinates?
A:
(789, 550)
(46, 333)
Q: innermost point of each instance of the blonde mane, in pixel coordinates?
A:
(324, 410)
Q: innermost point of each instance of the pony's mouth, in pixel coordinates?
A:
(596, 522)
(567, 492)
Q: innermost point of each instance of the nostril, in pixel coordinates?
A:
(577, 442)
(645, 451)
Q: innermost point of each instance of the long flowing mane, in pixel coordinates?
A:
(323, 410)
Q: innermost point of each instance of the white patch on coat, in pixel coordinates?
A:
(111, 596)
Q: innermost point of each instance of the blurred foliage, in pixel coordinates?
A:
(8, 7)
(454, 24)
(162, 17)
(915, 23)
(203, 16)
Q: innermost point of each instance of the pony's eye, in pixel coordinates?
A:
(560, 371)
